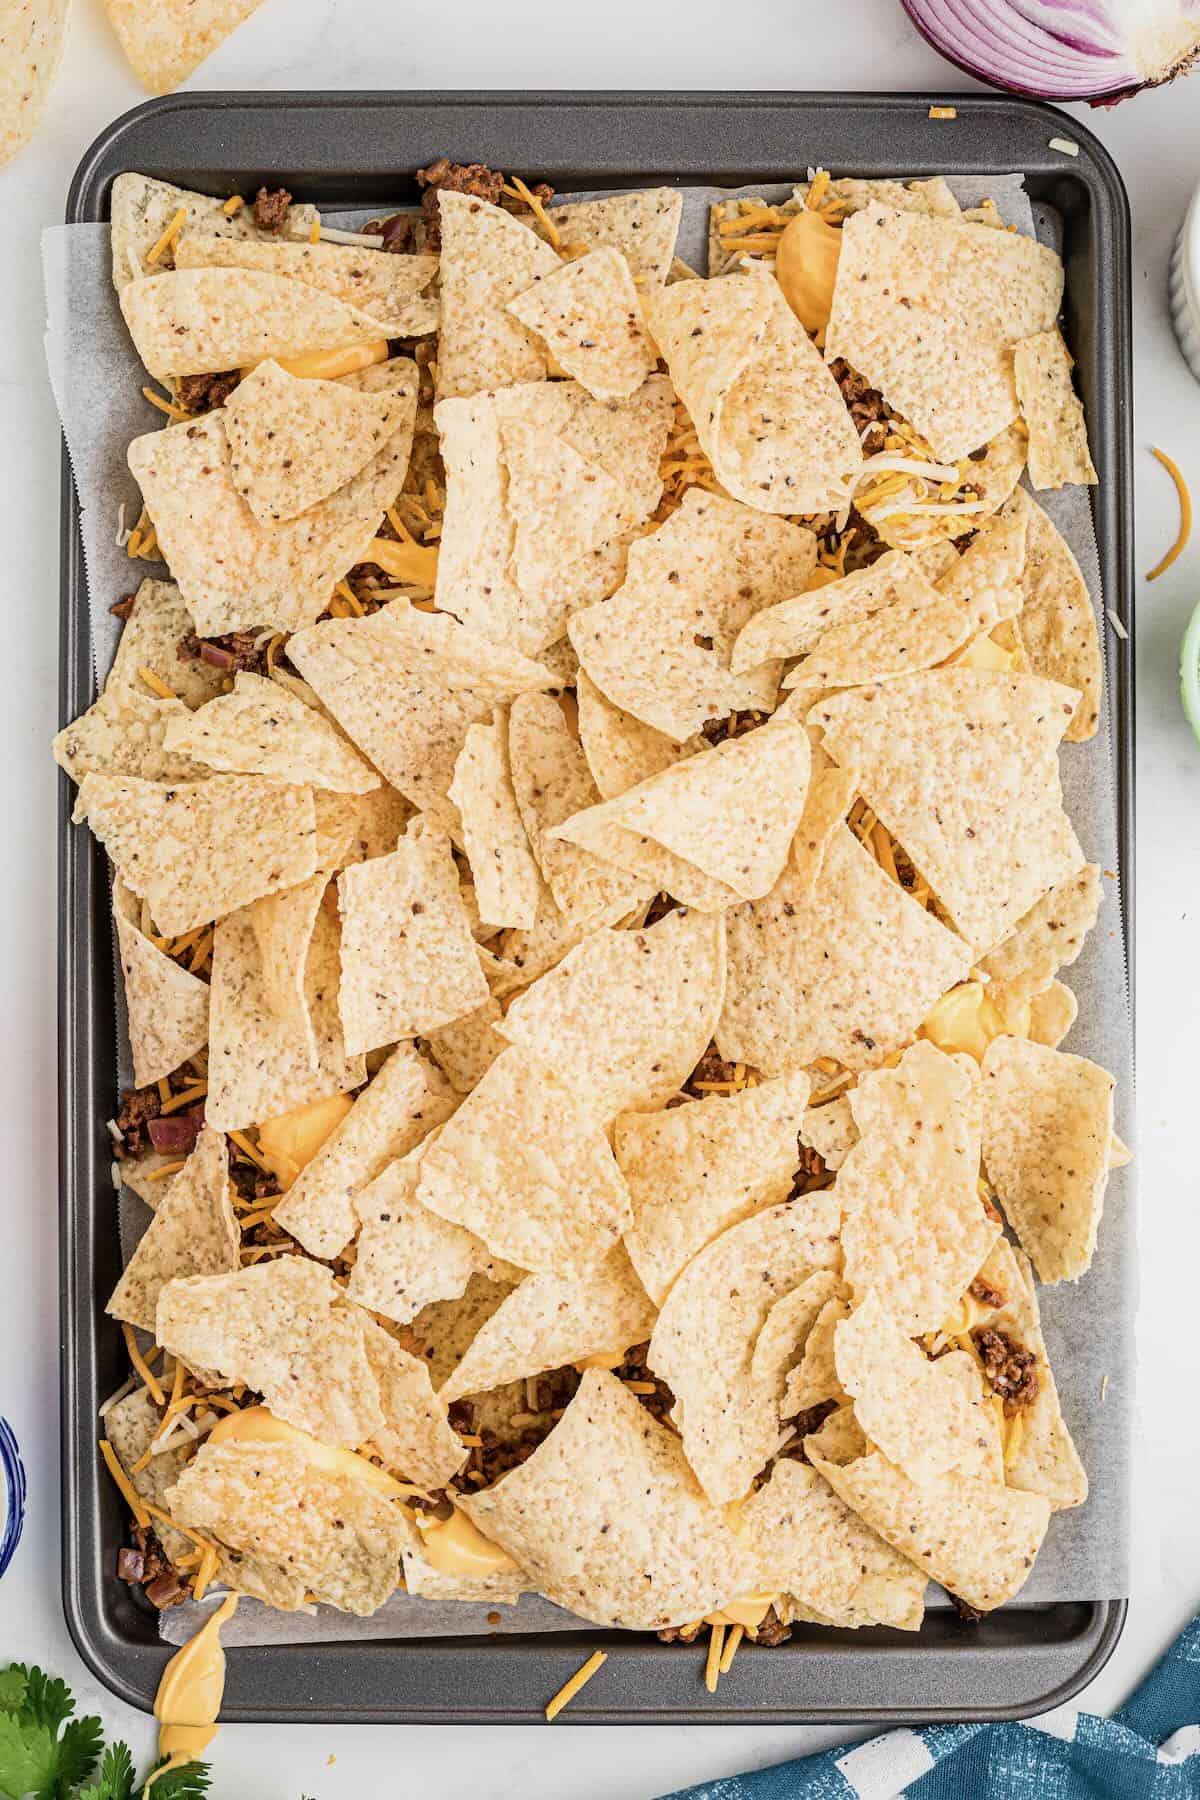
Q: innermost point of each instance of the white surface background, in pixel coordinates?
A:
(630, 44)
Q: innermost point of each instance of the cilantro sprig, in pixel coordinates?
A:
(46, 1753)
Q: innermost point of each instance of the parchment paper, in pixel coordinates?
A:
(97, 382)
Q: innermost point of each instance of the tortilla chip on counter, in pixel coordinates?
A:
(164, 44)
(1039, 1454)
(341, 1535)
(193, 1232)
(846, 968)
(525, 1166)
(768, 413)
(390, 290)
(658, 992)
(696, 1169)
(976, 1537)
(1058, 445)
(293, 441)
(261, 1065)
(124, 732)
(928, 310)
(233, 573)
(660, 647)
(261, 729)
(914, 1227)
(1058, 621)
(399, 1107)
(507, 878)
(32, 38)
(608, 1520)
(811, 1545)
(549, 1321)
(962, 768)
(200, 849)
(404, 685)
(703, 1343)
(167, 1006)
(488, 258)
(928, 1418)
(642, 225)
(409, 962)
(1047, 1128)
(588, 315)
(142, 209)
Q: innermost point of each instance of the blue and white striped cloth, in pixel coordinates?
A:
(1150, 1750)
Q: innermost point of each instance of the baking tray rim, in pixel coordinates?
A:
(102, 1649)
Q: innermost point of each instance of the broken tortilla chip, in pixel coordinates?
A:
(1047, 1127)
(507, 879)
(164, 43)
(283, 929)
(1058, 621)
(124, 732)
(696, 1169)
(150, 639)
(1058, 445)
(31, 37)
(193, 1232)
(262, 729)
(390, 290)
(1050, 935)
(620, 750)
(642, 225)
(609, 1521)
(488, 258)
(142, 210)
(166, 1006)
(796, 626)
(588, 315)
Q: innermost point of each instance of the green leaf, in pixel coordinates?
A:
(116, 1780)
(13, 1682)
(48, 1701)
(190, 1781)
(34, 1759)
(28, 1757)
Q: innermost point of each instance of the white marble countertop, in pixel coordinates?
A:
(624, 44)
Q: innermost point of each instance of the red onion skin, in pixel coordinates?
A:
(214, 654)
(176, 1134)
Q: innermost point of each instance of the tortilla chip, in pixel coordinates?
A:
(201, 321)
(914, 1227)
(730, 811)
(977, 1538)
(408, 957)
(131, 1425)
(831, 793)
(283, 927)
(814, 1378)
(1047, 1126)
(986, 579)
(151, 638)
(380, 822)
(1044, 1459)
(1058, 445)
(507, 880)
(694, 1170)
(342, 1536)
(660, 647)
(167, 1007)
(830, 1131)
(1052, 1014)
(549, 1321)
(912, 634)
(466, 1049)
(552, 784)
(609, 1521)
(142, 208)
(782, 1343)
(962, 768)
(620, 750)
(769, 415)
(996, 469)
(193, 1232)
(1050, 935)
(598, 832)
(524, 1165)
(261, 729)
(928, 1418)
(846, 965)
(811, 1545)
(233, 573)
(562, 506)
(488, 258)
(390, 290)
(797, 625)
(404, 1102)
(202, 848)
(295, 441)
(933, 196)
(142, 1178)
(704, 1340)
(408, 1257)
(1058, 620)
(928, 310)
(588, 315)
(124, 732)
(628, 1013)
(442, 1332)
(31, 42)
(405, 685)
(416, 1439)
(642, 225)
(260, 1065)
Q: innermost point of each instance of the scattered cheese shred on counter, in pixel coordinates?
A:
(943, 112)
(579, 1679)
(1185, 514)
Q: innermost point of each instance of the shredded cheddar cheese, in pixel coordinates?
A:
(173, 412)
(517, 190)
(737, 1633)
(712, 1666)
(169, 235)
(579, 1679)
(1185, 515)
(156, 686)
(206, 1572)
(129, 1493)
(149, 1378)
(234, 204)
(314, 236)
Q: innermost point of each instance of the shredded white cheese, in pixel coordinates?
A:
(1066, 145)
(371, 239)
(1116, 624)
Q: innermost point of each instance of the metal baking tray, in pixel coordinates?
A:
(361, 149)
